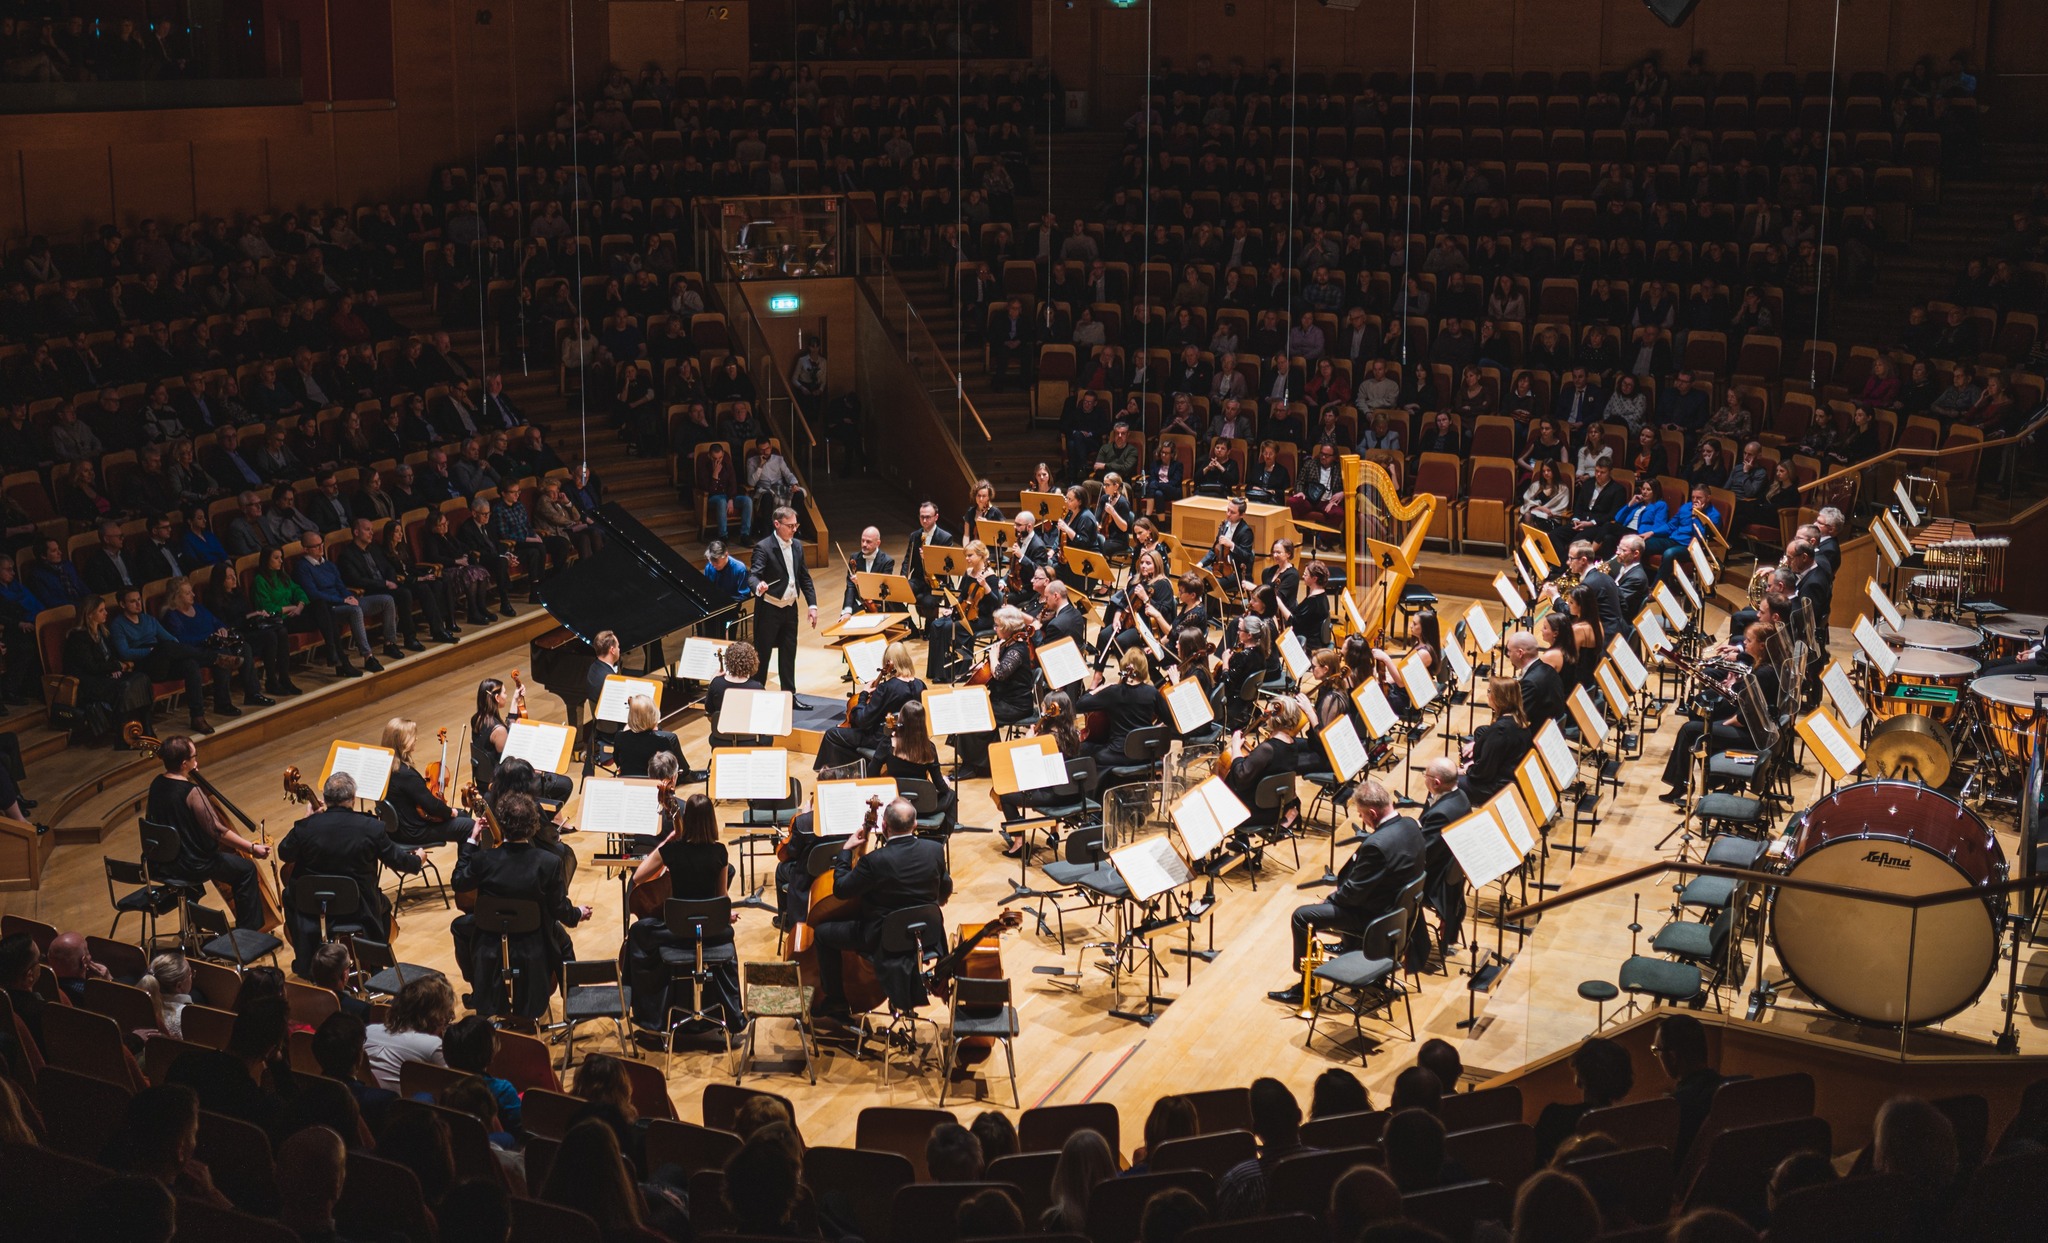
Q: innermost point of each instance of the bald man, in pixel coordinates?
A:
(71, 962)
(1542, 690)
(869, 560)
(1443, 805)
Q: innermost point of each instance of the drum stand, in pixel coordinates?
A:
(1765, 995)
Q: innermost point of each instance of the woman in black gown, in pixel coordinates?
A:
(867, 723)
(1497, 746)
(912, 756)
(697, 867)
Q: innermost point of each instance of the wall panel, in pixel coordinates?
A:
(230, 175)
(11, 224)
(367, 150)
(151, 179)
(66, 190)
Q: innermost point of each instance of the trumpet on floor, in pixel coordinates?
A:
(1315, 957)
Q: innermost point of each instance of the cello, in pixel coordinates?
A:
(863, 989)
(976, 961)
(266, 879)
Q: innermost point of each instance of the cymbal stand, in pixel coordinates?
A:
(1635, 934)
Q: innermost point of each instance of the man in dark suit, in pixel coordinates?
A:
(929, 534)
(1578, 559)
(105, 568)
(1012, 342)
(522, 871)
(337, 840)
(904, 871)
(1599, 499)
(1066, 622)
(869, 560)
(230, 468)
(1542, 689)
(1389, 859)
(1829, 522)
(1816, 587)
(499, 414)
(1444, 806)
(606, 648)
(367, 575)
(325, 505)
(777, 576)
(1035, 548)
(1233, 541)
(1634, 581)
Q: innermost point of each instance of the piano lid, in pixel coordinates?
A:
(636, 585)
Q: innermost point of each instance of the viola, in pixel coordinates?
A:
(437, 784)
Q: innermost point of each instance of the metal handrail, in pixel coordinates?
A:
(1892, 454)
(872, 231)
(1913, 901)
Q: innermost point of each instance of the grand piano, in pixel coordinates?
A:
(636, 586)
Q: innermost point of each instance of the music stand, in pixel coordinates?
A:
(887, 590)
(997, 533)
(942, 561)
(1088, 565)
(1391, 561)
(1044, 506)
(1541, 539)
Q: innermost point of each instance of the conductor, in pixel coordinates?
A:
(1370, 884)
(776, 577)
(903, 871)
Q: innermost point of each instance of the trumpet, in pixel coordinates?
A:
(1315, 957)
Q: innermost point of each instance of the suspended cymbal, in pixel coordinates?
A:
(1910, 748)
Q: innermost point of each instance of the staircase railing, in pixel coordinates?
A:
(942, 382)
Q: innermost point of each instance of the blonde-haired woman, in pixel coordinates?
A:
(423, 817)
(866, 728)
(1497, 746)
(951, 640)
(1009, 688)
(635, 746)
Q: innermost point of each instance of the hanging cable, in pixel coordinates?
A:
(1827, 176)
(960, 221)
(1144, 276)
(1293, 135)
(476, 180)
(1408, 191)
(576, 232)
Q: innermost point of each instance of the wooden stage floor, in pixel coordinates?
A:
(1220, 1030)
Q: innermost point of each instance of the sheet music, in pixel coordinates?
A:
(1351, 607)
(1151, 867)
(1701, 561)
(1534, 552)
(1343, 746)
(1482, 848)
(1505, 589)
(840, 806)
(1672, 608)
(1481, 625)
(625, 806)
(1652, 631)
(702, 659)
(1190, 707)
(1529, 580)
(1063, 663)
(1461, 665)
(1875, 649)
(1535, 782)
(611, 706)
(748, 774)
(1592, 725)
(1618, 697)
(1626, 660)
(1038, 770)
(1685, 581)
(1292, 654)
(1373, 706)
(1842, 693)
(960, 710)
(1557, 755)
(864, 657)
(866, 623)
(1206, 814)
(1838, 746)
(1416, 677)
(370, 766)
(1885, 608)
(1906, 505)
(1507, 808)
(540, 744)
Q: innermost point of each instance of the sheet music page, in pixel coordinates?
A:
(867, 623)
(1038, 770)
(1906, 505)
(1630, 664)
(538, 743)
(617, 690)
(1292, 654)
(1618, 698)
(1842, 693)
(1507, 808)
(1206, 814)
(1480, 623)
(1875, 649)
(1888, 544)
(841, 805)
(1701, 561)
(864, 657)
(1672, 608)
(1557, 755)
(769, 711)
(1343, 746)
(1839, 748)
(1373, 706)
(620, 805)
(702, 659)
(1062, 662)
(962, 710)
(1885, 608)
(1482, 848)
(1150, 867)
(1535, 782)
(1652, 631)
(1592, 725)
(1685, 581)
(1534, 552)
(1461, 665)
(1505, 589)
(1529, 580)
(370, 766)
(1190, 707)
(1351, 609)
(1416, 677)
(749, 774)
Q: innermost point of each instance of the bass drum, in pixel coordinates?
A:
(1876, 963)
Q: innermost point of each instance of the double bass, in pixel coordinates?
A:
(863, 989)
(488, 834)
(267, 884)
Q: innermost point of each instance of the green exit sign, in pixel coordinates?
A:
(783, 303)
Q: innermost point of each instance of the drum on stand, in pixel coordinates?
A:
(1935, 635)
(1927, 682)
(2005, 708)
(1890, 965)
(2009, 634)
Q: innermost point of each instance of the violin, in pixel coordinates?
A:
(437, 782)
(518, 708)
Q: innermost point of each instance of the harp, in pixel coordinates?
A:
(1374, 513)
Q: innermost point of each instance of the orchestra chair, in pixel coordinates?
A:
(1082, 871)
(505, 918)
(690, 921)
(1071, 806)
(382, 975)
(325, 899)
(1274, 793)
(1369, 976)
(218, 938)
(980, 1008)
(389, 815)
(146, 898)
(595, 989)
(769, 990)
(1144, 747)
(903, 935)
(161, 849)
(764, 817)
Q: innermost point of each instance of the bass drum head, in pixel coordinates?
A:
(1880, 964)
